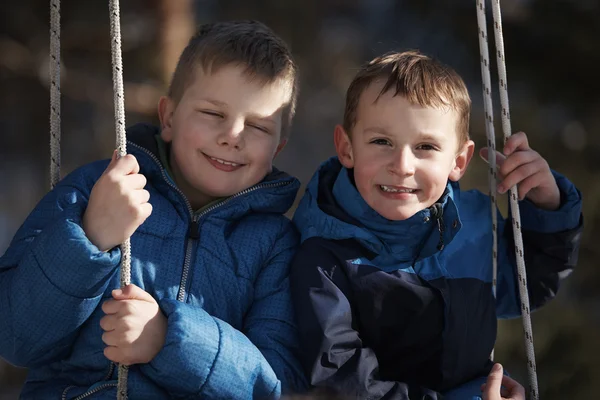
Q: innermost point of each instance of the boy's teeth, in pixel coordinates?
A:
(224, 162)
(393, 190)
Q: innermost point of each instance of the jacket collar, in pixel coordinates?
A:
(420, 236)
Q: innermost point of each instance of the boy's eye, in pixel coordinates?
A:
(212, 113)
(426, 147)
(381, 142)
(260, 128)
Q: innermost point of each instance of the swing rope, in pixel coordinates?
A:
(54, 93)
(117, 74)
(121, 142)
(514, 205)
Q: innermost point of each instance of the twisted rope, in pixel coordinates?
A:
(513, 193)
(117, 74)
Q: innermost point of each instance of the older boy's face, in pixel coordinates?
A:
(224, 133)
(402, 154)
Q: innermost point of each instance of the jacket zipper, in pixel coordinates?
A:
(195, 226)
(193, 231)
(95, 390)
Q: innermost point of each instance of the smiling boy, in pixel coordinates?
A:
(208, 314)
(392, 284)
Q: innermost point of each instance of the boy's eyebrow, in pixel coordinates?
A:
(215, 102)
(377, 129)
(430, 137)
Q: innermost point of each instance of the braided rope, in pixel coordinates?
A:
(515, 214)
(117, 73)
(490, 134)
(54, 92)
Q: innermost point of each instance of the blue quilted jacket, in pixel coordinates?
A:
(220, 276)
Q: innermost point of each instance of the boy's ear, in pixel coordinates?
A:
(343, 146)
(280, 147)
(462, 161)
(166, 107)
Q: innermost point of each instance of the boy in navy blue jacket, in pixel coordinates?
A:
(393, 281)
(209, 313)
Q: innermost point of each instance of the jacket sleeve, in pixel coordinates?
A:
(333, 354)
(51, 278)
(551, 242)
(206, 357)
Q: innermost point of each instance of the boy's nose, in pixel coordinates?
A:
(402, 163)
(232, 135)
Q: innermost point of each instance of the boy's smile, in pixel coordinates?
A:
(224, 132)
(223, 165)
(402, 154)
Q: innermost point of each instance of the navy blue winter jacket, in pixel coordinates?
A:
(219, 275)
(404, 309)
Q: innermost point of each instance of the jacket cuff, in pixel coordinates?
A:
(191, 347)
(567, 216)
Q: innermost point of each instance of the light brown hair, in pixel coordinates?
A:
(248, 44)
(420, 79)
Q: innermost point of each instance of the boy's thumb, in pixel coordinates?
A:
(494, 380)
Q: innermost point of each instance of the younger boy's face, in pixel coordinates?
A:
(402, 154)
(224, 133)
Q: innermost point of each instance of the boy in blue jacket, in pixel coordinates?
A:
(209, 312)
(392, 283)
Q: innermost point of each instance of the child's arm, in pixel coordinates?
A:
(551, 226)
(205, 356)
(333, 353)
(53, 276)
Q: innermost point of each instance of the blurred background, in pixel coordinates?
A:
(553, 57)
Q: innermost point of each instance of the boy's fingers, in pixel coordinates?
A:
(483, 153)
(517, 176)
(135, 181)
(516, 142)
(110, 338)
(107, 323)
(517, 159)
(126, 165)
(110, 307)
(113, 354)
(141, 196)
(529, 183)
(513, 387)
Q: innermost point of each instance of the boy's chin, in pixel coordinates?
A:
(399, 215)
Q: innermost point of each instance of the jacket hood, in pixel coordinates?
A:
(274, 194)
(332, 208)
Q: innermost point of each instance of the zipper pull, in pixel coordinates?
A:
(194, 230)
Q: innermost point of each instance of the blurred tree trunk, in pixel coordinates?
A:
(176, 24)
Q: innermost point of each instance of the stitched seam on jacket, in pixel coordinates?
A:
(212, 367)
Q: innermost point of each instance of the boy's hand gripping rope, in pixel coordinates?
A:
(117, 73)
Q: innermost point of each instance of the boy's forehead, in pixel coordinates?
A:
(393, 112)
(238, 78)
